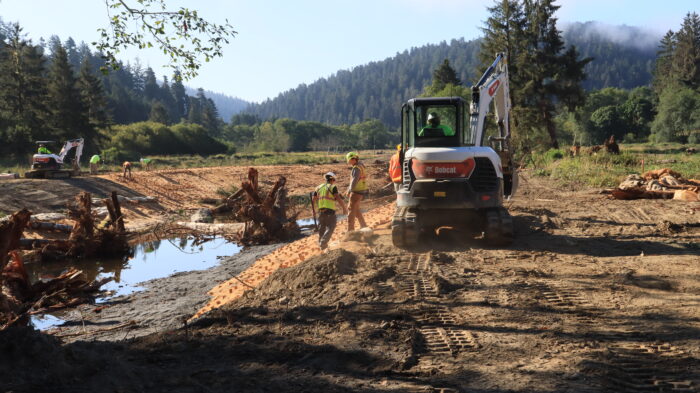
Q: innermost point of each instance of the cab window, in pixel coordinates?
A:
(436, 126)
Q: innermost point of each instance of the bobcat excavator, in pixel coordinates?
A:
(456, 169)
(51, 166)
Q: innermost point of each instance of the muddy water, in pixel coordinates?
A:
(150, 260)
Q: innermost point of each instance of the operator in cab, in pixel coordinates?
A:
(43, 149)
(434, 124)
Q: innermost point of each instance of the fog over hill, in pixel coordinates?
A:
(623, 56)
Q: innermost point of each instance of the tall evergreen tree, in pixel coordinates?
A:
(444, 75)
(68, 117)
(686, 56)
(542, 72)
(168, 101)
(664, 62)
(151, 91)
(180, 96)
(505, 32)
(92, 93)
(22, 92)
(159, 113)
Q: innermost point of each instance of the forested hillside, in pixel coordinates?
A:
(372, 91)
(376, 90)
(227, 106)
(55, 90)
(623, 56)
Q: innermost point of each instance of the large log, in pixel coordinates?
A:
(11, 233)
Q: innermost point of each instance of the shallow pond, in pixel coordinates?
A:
(150, 260)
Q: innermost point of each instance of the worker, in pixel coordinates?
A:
(357, 190)
(434, 124)
(395, 170)
(146, 164)
(94, 163)
(127, 168)
(43, 149)
(326, 196)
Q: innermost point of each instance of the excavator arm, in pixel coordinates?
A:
(73, 143)
(493, 87)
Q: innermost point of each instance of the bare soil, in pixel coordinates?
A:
(595, 295)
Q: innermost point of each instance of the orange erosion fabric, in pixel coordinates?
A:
(288, 255)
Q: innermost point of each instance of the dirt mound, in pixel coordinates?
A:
(317, 272)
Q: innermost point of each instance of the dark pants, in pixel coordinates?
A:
(326, 226)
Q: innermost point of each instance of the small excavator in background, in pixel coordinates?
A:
(52, 166)
(457, 166)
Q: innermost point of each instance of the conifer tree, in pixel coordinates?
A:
(151, 91)
(444, 75)
(159, 113)
(504, 32)
(22, 93)
(180, 96)
(68, 117)
(92, 93)
(542, 72)
(686, 54)
(664, 61)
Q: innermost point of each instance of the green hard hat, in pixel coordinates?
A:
(351, 155)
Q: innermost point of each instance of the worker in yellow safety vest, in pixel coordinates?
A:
(94, 164)
(395, 170)
(357, 191)
(326, 196)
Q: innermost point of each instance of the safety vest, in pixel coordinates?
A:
(43, 150)
(361, 184)
(395, 169)
(95, 159)
(326, 199)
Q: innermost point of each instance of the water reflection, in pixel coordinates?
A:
(148, 260)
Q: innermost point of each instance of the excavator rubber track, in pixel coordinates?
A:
(498, 227)
(404, 228)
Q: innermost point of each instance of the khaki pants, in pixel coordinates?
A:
(355, 212)
(93, 168)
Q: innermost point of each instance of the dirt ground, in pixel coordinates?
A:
(595, 295)
(178, 191)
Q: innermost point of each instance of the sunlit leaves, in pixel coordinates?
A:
(182, 35)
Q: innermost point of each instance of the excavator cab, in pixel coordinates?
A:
(454, 174)
(51, 166)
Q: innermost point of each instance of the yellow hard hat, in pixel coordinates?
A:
(351, 155)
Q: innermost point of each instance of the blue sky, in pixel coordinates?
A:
(282, 43)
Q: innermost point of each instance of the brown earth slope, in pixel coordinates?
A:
(595, 295)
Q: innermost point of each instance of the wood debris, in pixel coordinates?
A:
(20, 298)
(662, 183)
(264, 213)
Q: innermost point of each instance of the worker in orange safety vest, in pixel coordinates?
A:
(395, 170)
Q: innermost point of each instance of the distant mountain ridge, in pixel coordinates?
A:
(225, 104)
(623, 57)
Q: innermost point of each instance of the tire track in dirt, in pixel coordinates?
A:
(627, 365)
(436, 322)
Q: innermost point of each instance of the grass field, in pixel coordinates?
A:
(608, 170)
(239, 159)
(600, 170)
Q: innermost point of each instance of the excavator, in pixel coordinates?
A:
(457, 164)
(51, 166)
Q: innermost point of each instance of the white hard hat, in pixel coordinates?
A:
(329, 175)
